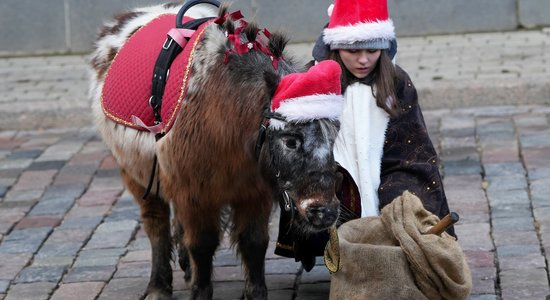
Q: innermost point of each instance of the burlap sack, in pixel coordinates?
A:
(389, 257)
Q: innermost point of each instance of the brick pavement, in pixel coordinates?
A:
(68, 229)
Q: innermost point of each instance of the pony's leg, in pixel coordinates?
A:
(183, 254)
(201, 238)
(155, 214)
(252, 237)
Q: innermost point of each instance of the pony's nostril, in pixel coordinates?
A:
(320, 216)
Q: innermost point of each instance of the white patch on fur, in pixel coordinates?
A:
(304, 204)
(359, 32)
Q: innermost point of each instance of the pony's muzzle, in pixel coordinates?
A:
(322, 216)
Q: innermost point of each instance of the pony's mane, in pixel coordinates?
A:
(275, 42)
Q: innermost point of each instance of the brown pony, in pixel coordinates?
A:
(208, 161)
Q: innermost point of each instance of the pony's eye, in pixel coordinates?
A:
(291, 142)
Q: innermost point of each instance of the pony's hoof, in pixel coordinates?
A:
(159, 295)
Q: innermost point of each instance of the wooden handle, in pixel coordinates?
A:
(442, 225)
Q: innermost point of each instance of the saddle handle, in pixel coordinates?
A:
(190, 3)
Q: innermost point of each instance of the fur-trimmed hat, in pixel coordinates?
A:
(359, 24)
(303, 97)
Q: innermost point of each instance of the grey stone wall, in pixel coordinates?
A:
(69, 26)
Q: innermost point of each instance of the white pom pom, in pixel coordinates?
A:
(329, 9)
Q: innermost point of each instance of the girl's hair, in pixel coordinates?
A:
(383, 77)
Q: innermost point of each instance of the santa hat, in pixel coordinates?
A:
(303, 97)
(359, 24)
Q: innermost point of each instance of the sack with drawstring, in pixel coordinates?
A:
(391, 257)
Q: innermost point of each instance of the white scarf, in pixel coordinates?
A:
(360, 143)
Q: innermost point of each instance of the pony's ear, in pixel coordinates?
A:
(271, 81)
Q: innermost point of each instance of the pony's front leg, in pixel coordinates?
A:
(251, 233)
(201, 237)
(155, 214)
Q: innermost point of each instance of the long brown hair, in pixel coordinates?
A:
(383, 77)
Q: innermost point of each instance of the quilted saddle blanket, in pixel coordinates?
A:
(127, 87)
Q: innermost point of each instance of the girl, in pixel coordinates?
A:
(383, 146)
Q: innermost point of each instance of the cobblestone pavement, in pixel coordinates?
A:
(69, 230)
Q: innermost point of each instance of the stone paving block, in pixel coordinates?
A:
(87, 274)
(515, 238)
(24, 196)
(99, 257)
(20, 163)
(525, 293)
(474, 237)
(124, 214)
(24, 240)
(69, 235)
(500, 155)
(81, 223)
(39, 221)
(523, 278)
(463, 153)
(506, 183)
(109, 227)
(536, 157)
(483, 280)
(99, 198)
(517, 250)
(57, 206)
(282, 266)
(70, 191)
(125, 288)
(312, 291)
(78, 211)
(462, 167)
(47, 165)
(503, 169)
(11, 264)
(280, 282)
(4, 284)
(513, 224)
(281, 294)
(40, 274)
(80, 290)
(505, 198)
(133, 269)
(53, 261)
(139, 256)
(30, 291)
(511, 211)
(480, 259)
(49, 249)
(115, 239)
(522, 261)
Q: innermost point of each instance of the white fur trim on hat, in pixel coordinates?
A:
(307, 108)
(329, 9)
(359, 32)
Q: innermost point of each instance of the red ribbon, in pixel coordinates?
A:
(236, 15)
(242, 48)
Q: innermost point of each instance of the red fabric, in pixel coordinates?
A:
(322, 78)
(350, 12)
(127, 86)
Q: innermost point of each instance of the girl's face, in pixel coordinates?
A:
(360, 62)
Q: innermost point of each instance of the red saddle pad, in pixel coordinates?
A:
(127, 86)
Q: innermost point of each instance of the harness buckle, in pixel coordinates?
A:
(168, 40)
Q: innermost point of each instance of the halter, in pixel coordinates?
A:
(287, 204)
